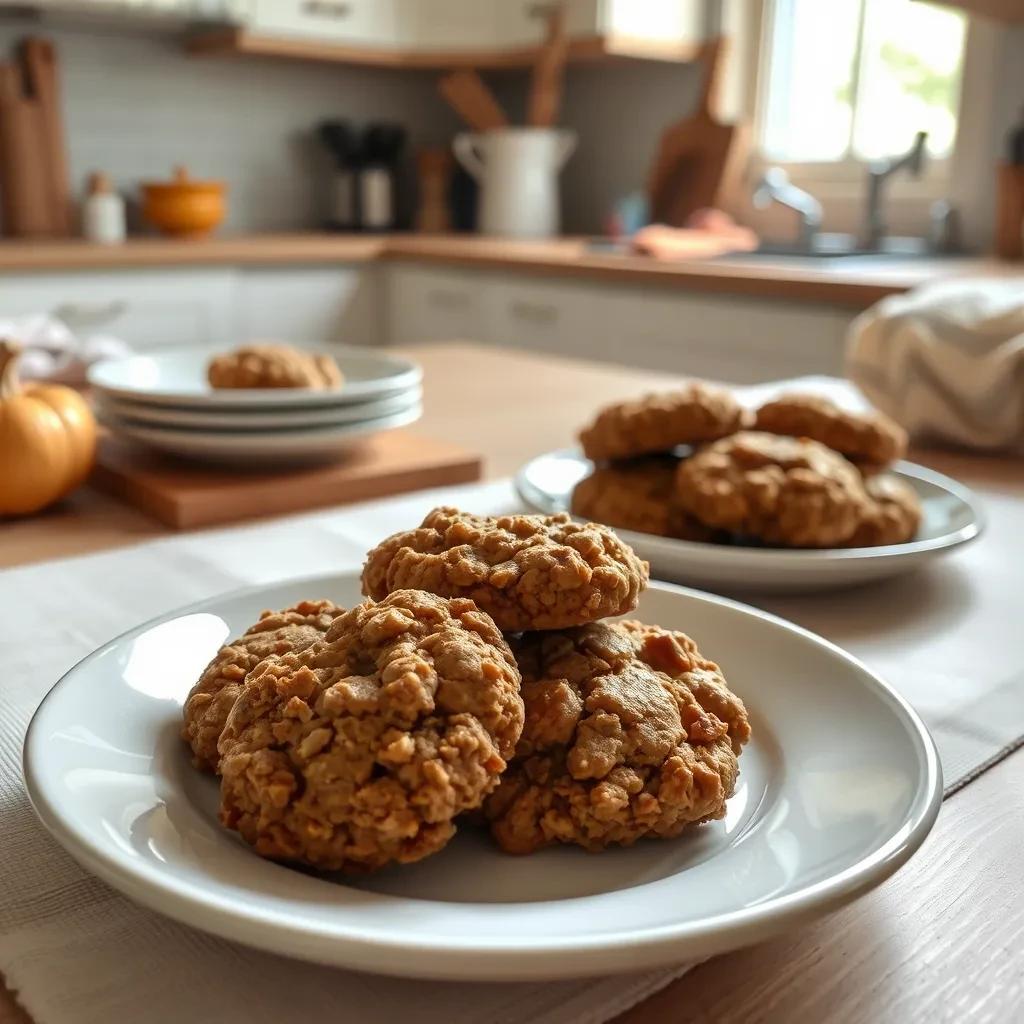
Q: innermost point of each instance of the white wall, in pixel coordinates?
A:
(135, 105)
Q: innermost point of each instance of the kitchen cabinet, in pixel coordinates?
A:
(148, 309)
(429, 304)
(723, 337)
(311, 303)
(569, 318)
(359, 22)
(484, 32)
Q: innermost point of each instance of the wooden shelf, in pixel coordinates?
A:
(1000, 10)
(239, 42)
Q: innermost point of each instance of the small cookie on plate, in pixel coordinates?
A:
(692, 414)
(630, 733)
(893, 513)
(861, 436)
(781, 490)
(526, 572)
(363, 749)
(273, 366)
(210, 701)
(639, 496)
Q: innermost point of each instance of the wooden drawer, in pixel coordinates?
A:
(424, 304)
(361, 22)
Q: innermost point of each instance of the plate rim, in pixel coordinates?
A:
(659, 946)
(807, 556)
(409, 375)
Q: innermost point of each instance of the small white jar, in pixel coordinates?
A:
(103, 212)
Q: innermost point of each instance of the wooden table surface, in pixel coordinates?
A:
(943, 940)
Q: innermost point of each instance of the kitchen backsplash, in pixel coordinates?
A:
(135, 105)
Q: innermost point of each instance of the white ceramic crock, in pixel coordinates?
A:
(518, 173)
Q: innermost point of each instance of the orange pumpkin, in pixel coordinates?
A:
(47, 439)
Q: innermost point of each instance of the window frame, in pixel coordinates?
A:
(843, 179)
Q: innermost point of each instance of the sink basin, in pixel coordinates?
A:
(844, 248)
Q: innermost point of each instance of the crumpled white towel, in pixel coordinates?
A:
(947, 361)
(56, 350)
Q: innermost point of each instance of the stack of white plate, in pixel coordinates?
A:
(164, 401)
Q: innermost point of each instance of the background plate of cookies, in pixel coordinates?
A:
(795, 494)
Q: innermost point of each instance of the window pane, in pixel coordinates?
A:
(809, 109)
(910, 78)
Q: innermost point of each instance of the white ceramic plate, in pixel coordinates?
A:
(257, 447)
(838, 787)
(178, 377)
(262, 419)
(951, 517)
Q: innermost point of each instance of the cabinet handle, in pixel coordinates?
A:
(326, 8)
(538, 313)
(447, 300)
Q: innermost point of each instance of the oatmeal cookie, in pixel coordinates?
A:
(210, 700)
(526, 572)
(630, 733)
(273, 366)
(362, 749)
(781, 490)
(639, 496)
(694, 413)
(860, 436)
(893, 512)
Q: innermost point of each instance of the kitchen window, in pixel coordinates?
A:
(843, 82)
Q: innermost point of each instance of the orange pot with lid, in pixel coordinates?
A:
(184, 207)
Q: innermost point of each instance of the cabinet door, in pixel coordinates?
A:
(427, 304)
(726, 337)
(656, 21)
(560, 317)
(312, 303)
(448, 24)
(362, 22)
(148, 309)
(524, 22)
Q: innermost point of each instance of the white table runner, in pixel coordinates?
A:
(76, 952)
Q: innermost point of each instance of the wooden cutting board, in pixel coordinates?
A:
(185, 494)
(698, 157)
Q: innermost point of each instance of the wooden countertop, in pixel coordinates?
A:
(836, 282)
(940, 940)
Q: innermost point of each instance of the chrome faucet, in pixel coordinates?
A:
(774, 186)
(879, 171)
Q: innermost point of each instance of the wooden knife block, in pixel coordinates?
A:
(1009, 235)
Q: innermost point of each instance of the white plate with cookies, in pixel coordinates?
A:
(950, 518)
(730, 492)
(182, 377)
(110, 778)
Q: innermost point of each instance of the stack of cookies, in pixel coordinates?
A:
(799, 472)
(480, 675)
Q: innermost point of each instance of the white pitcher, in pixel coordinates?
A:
(518, 173)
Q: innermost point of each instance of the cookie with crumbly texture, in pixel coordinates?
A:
(630, 733)
(870, 437)
(362, 750)
(788, 491)
(274, 366)
(692, 414)
(209, 702)
(526, 572)
(637, 495)
(893, 513)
